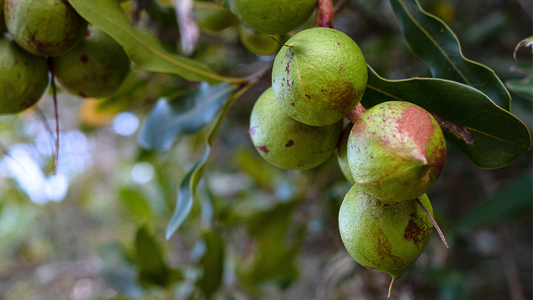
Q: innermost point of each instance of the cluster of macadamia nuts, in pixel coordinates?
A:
(392, 155)
(86, 61)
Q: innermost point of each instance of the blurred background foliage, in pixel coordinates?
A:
(96, 229)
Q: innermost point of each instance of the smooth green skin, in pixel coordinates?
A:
(2, 19)
(320, 77)
(258, 43)
(392, 160)
(272, 16)
(44, 27)
(96, 68)
(288, 144)
(213, 19)
(342, 153)
(384, 236)
(23, 78)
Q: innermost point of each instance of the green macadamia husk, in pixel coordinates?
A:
(213, 19)
(342, 153)
(286, 143)
(258, 43)
(95, 68)
(396, 151)
(319, 76)
(44, 27)
(23, 78)
(272, 16)
(384, 236)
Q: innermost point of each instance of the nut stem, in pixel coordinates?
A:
(282, 45)
(390, 287)
(51, 67)
(433, 221)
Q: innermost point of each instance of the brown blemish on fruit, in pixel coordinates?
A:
(339, 44)
(382, 247)
(84, 58)
(308, 97)
(438, 159)
(287, 68)
(340, 94)
(341, 69)
(263, 149)
(292, 103)
(289, 143)
(416, 123)
(415, 232)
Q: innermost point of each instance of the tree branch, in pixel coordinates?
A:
(324, 13)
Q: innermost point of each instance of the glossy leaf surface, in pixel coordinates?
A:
(499, 137)
(436, 44)
(186, 114)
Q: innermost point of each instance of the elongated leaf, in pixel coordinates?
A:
(522, 87)
(508, 203)
(136, 203)
(212, 263)
(436, 44)
(143, 48)
(186, 114)
(150, 261)
(191, 179)
(499, 137)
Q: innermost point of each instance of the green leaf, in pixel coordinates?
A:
(436, 44)
(186, 114)
(212, 263)
(136, 203)
(274, 260)
(499, 137)
(508, 203)
(522, 87)
(142, 47)
(525, 42)
(262, 173)
(191, 179)
(150, 261)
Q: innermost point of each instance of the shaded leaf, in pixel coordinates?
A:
(499, 137)
(186, 114)
(507, 204)
(191, 179)
(212, 263)
(522, 87)
(436, 44)
(136, 203)
(273, 261)
(150, 261)
(142, 47)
